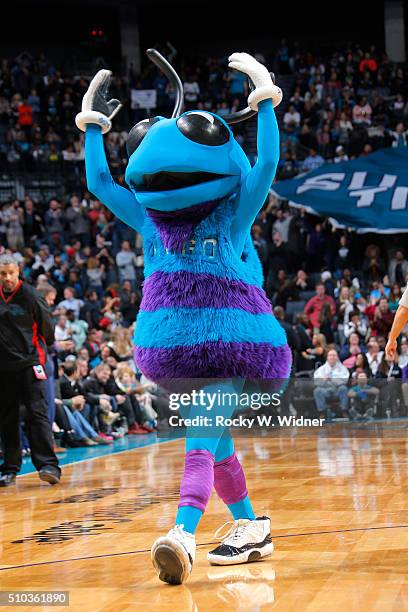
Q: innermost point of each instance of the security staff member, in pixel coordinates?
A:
(26, 328)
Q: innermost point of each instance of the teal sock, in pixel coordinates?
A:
(242, 509)
(189, 516)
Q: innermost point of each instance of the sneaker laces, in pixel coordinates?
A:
(235, 531)
(177, 529)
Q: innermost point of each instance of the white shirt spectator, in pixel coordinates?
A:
(350, 328)
(126, 262)
(337, 375)
(291, 118)
(191, 91)
(62, 331)
(282, 226)
(374, 361)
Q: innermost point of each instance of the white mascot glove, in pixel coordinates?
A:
(258, 73)
(95, 107)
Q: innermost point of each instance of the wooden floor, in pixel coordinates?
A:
(338, 502)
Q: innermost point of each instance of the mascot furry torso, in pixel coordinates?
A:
(194, 196)
(204, 312)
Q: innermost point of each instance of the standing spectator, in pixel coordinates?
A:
(398, 268)
(388, 377)
(282, 224)
(13, 218)
(362, 397)
(78, 222)
(95, 273)
(314, 306)
(23, 353)
(126, 262)
(191, 91)
(70, 302)
(54, 220)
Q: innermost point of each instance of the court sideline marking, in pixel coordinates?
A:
(135, 552)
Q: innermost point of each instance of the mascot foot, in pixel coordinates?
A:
(245, 541)
(173, 555)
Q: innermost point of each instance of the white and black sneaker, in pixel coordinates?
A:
(245, 541)
(173, 555)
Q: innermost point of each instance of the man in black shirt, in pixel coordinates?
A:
(26, 328)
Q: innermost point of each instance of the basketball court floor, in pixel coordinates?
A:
(338, 500)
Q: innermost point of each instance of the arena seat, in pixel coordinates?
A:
(307, 295)
(293, 309)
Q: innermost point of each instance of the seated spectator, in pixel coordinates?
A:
(107, 357)
(314, 306)
(74, 398)
(351, 349)
(331, 383)
(316, 353)
(121, 345)
(78, 329)
(62, 329)
(143, 418)
(404, 386)
(395, 297)
(355, 325)
(360, 365)
(374, 356)
(362, 397)
(341, 155)
(378, 291)
(403, 357)
(100, 387)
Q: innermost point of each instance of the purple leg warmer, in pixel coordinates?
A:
(229, 480)
(198, 479)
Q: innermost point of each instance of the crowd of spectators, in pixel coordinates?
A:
(344, 106)
(336, 106)
(337, 304)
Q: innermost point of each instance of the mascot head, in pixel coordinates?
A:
(191, 158)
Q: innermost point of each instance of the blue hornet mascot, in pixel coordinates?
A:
(193, 197)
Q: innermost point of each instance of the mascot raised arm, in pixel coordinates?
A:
(193, 197)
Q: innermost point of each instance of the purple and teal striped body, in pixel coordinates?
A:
(204, 313)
